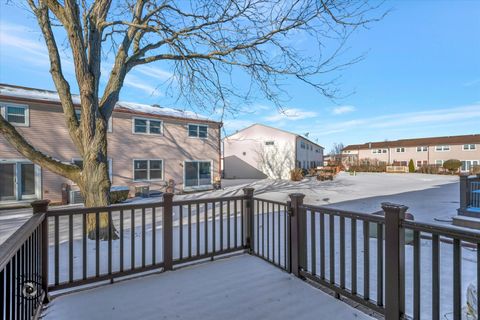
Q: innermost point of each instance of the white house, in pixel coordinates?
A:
(261, 151)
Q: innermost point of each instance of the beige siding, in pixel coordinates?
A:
(48, 133)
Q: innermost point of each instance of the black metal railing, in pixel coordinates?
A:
(21, 294)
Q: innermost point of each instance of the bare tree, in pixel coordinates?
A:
(203, 42)
(336, 149)
(275, 160)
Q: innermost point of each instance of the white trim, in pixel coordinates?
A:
(148, 170)
(443, 148)
(198, 130)
(3, 108)
(203, 186)
(421, 148)
(469, 144)
(17, 190)
(148, 126)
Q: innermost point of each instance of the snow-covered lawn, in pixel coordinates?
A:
(240, 287)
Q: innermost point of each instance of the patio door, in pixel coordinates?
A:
(7, 184)
(468, 164)
(18, 181)
(198, 173)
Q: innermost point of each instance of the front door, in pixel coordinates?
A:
(7, 181)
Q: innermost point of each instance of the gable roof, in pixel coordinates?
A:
(47, 96)
(270, 127)
(464, 139)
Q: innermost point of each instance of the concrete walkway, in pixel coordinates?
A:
(239, 287)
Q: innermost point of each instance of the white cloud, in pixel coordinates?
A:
(406, 120)
(134, 82)
(342, 110)
(291, 114)
(154, 72)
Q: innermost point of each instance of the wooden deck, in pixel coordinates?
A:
(239, 287)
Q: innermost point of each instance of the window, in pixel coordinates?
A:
(469, 147)
(146, 170)
(78, 113)
(422, 149)
(16, 114)
(419, 163)
(302, 144)
(79, 163)
(439, 162)
(442, 148)
(400, 149)
(198, 173)
(147, 126)
(379, 151)
(269, 143)
(197, 130)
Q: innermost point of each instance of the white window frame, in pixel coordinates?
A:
(198, 130)
(201, 186)
(110, 166)
(400, 149)
(439, 164)
(471, 164)
(148, 127)
(78, 113)
(3, 110)
(148, 170)
(443, 148)
(422, 149)
(469, 147)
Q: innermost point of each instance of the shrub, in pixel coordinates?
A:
(452, 165)
(369, 165)
(312, 172)
(411, 166)
(296, 174)
(475, 170)
(118, 195)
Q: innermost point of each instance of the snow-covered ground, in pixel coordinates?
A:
(240, 287)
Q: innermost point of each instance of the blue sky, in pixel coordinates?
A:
(420, 77)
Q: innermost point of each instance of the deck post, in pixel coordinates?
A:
(41, 207)
(297, 233)
(248, 218)
(394, 261)
(167, 231)
(464, 192)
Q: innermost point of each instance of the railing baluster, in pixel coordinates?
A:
(97, 244)
(198, 230)
(110, 235)
(257, 236)
(132, 239)
(242, 232)
(342, 252)
(279, 236)
(268, 231)
(154, 236)
(322, 245)
(331, 226)
(228, 224)
(353, 243)
(180, 208)
(214, 234)
(273, 233)
(416, 275)
(19, 276)
(205, 222)
(457, 278)
(312, 242)
(8, 287)
(221, 225)
(379, 264)
(70, 248)
(3, 290)
(57, 250)
(143, 237)
(366, 260)
(478, 278)
(84, 245)
(235, 224)
(286, 227)
(435, 277)
(189, 231)
(121, 240)
(263, 229)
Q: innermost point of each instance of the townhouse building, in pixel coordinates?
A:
(260, 151)
(147, 145)
(423, 151)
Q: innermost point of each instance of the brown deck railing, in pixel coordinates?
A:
(317, 243)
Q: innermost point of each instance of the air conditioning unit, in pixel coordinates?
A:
(142, 191)
(75, 197)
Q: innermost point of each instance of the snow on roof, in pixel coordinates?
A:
(52, 96)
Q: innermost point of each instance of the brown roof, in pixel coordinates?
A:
(471, 138)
